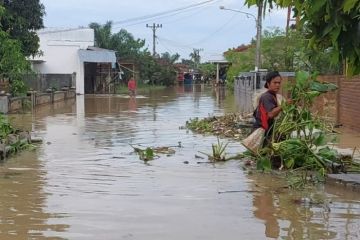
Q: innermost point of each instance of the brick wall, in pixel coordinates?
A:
(326, 104)
(349, 102)
(341, 106)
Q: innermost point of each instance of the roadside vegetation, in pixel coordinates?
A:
(19, 21)
(12, 140)
(282, 52)
(301, 143)
(328, 26)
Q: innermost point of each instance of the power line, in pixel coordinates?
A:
(204, 39)
(165, 16)
(142, 18)
(188, 15)
(208, 37)
(163, 13)
(174, 43)
(164, 46)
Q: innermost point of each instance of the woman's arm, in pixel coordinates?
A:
(273, 113)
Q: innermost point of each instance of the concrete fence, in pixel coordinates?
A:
(43, 82)
(15, 104)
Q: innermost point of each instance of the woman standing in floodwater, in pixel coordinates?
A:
(268, 108)
(132, 87)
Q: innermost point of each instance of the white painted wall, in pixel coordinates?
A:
(60, 52)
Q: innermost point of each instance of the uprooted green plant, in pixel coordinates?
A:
(146, 154)
(218, 151)
(299, 138)
(149, 153)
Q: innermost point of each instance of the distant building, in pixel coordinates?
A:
(181, 71)
(70, 59)
(222, 66)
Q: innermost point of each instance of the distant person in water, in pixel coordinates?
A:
(132, 87)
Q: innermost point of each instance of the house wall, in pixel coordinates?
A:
(60, 52)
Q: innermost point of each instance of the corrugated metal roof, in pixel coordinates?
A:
(100, 56)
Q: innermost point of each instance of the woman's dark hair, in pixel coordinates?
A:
(270, 76)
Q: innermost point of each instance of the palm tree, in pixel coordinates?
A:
(103, 36)
(195, 57)
(171, 59)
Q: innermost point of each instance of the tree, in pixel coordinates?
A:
(127, 47)
(123, 42)
(328, 24)
(20, 20)
(12, 61)
(240, 62)
(103, 35)
(195, 57)
(171, 59)
(187, 62)
(283, 53)
(208, 70)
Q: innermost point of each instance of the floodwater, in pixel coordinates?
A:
(85, 181)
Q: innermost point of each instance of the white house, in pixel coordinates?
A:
(68, 51)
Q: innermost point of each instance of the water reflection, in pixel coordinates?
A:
(132, 104)
(23, 209)
(220, 95)
(188, 87)
(316, 214)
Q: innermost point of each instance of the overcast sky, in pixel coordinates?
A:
(202, 27)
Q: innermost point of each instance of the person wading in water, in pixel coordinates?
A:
(132, 87)
(268, 107)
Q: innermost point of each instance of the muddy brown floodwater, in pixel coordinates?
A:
(85, 182)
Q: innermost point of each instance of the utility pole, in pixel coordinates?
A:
(154, 27)
(258, 22)
(258, 37)
(290, 19)
(197, 56)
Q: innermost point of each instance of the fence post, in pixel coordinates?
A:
(338, 83)
(33, 99)
(4, 104)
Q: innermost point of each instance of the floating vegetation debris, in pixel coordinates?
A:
(230, 125)
(150, 153)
